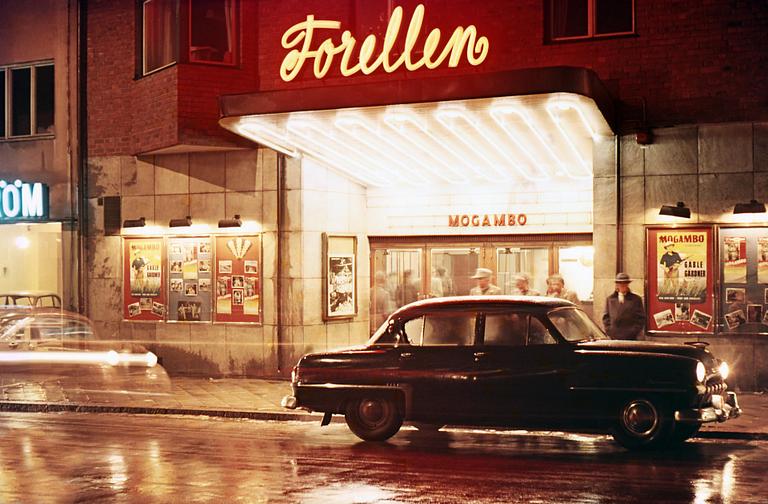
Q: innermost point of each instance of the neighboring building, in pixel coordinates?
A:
(39, 149)
(544, 138)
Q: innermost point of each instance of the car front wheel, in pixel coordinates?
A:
(642, 423)
(373, 418)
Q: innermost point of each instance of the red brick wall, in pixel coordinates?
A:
(692, 61)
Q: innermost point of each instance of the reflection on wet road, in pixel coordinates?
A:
(122, 458)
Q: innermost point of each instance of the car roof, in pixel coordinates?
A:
(469, 302)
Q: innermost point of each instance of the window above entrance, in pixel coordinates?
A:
(491, 140)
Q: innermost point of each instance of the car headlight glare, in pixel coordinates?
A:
(724, 369)
(701, 372)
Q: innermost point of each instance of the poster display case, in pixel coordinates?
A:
(238, 279)
(744, 286)
(190, 263)
(339, 276)
(144, 289)
(680, 268)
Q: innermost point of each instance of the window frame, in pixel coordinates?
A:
(186, 50)
(7, 98)
(549, 20)
(142, 41)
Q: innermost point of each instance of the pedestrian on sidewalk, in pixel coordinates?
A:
(624, 316)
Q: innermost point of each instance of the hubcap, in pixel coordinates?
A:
(640, 418)
(371, 411)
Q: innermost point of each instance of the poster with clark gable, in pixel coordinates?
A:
(341, 285)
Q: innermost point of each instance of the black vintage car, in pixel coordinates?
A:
(504, 361)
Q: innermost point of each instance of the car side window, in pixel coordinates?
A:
(449, 328)
(507, 329)
(413, 329)
(538, 334)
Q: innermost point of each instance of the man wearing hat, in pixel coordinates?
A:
(484, 285)
(624, 316)
(522, 286)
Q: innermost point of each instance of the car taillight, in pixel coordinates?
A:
(295, 374)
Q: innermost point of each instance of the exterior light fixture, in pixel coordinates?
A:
(753, 206)
(185, 222)
(679, 210)
(231, 223)
(134, 223)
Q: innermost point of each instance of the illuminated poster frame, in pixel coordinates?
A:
(144, 285)
(680, 296)
(190, 278)
(237, 273)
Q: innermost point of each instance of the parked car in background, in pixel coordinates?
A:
(35, 299)
(50, 354)
(522, 362)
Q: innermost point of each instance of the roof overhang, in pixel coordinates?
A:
(531, 124)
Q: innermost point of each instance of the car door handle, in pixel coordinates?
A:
(479, 355)
(406, 355)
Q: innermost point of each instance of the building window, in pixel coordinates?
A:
(578, 19)
(213, 31)
(160, 34)
(26, 100)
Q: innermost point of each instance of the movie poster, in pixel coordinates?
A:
(237, 275)
(682, 270)
(680, 280)
(735, 259)
(189, 279)
(341, 285)
(143, 286)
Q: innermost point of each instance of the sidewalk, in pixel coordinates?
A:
(260, 399)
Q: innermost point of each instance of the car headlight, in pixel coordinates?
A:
(701, 372)
(724, 370)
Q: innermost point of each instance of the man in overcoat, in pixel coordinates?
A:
(624, 316)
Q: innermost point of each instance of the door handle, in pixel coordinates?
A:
(479, 355)
(406, 355)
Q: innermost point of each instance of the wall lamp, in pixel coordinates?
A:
(231, 223)
(753, 206)
(134, 223)
(679, 210)
(185, 222)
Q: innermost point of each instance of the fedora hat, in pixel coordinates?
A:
(622, 278)
(482, 273)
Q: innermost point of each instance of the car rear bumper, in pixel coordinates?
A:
(723, 408)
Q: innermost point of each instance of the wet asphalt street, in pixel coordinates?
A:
(70, 457)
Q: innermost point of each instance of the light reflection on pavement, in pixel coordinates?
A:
(69, 457)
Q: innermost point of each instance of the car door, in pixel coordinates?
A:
(522, 369)
(438, 364)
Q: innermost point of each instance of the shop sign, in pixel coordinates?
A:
(487, 220)
(300, 37)
(22, 200)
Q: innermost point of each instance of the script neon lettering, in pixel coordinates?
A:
(299, 39)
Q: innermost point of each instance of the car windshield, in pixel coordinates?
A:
(575, 325)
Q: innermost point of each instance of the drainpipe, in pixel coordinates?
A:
(619, 225)
(82, 147)
(279, 254)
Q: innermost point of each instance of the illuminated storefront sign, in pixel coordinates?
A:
(23, 201)
(299, 39)
(487, 220)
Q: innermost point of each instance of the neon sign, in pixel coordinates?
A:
(23, 201)
(299, 39)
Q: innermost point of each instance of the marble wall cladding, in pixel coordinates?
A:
(101, 256)
(633, 200)
(137, 175)
(725, 148)
(207, 172)
(673, 151)
(632, 157)
(604, 241)
(104, 176)
(242, 171)
(604, 157)
(634, 251)
(604, 203)
(760, 152)
(719, 192)
(171, 174)
(668, 190)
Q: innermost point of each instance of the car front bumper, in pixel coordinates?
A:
(724, 407)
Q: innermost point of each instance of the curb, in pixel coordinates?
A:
(22, 407)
